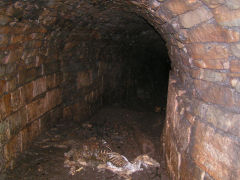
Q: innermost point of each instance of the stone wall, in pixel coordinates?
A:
(52, 68)
(202, 130)
(92, 75)
(30, 78)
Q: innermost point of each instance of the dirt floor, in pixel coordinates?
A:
(129, 132)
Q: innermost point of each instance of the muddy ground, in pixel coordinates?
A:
(45, 159)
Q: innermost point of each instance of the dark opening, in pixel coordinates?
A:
(149, 66)
(146, 68)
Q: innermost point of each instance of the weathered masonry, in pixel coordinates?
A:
(63, 59)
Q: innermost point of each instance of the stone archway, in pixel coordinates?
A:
(202, 129)
(202, 134)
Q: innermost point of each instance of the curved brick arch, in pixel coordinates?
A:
(201, 134)
(203, 116)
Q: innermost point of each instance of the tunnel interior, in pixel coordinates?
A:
(126, 45)
(155, 77)
(85, 57)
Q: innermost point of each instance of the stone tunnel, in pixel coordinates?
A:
(64, 60)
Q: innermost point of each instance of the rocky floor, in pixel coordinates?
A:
(128, 132)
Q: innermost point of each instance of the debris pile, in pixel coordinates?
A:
(94, 152)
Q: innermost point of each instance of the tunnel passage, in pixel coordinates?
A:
(59, 58)
(69, 60)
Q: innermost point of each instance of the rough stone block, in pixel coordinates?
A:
(233, 4)
(4, 131)
(4, 39)
(39, 86)
(3, 85)
(4, 20)
(172, 102)
(5, 106)
(235, 66)
(39, 60)
(235, 48)
(213, 3)
(53, 98)
(172, 155)
(27, 93)
(2, 70)
(26, 54)
(17, 39)
(51, 81)
(234, 75)
(12, 57)
(17, 121)
(35, 109)
(208, 51)
(195, 17)
(226, 16)
(218, 117)
(189, 170)
(70, 45)
(12, 84)
(172, 120)
(215, 153)
(54, 80)
(52, 67)
(209, 75)
(36, 44)
(189, 117)
(180, 6)
(26, 137)
(154, 4)
(209, 64)
(11, 69)
(16, 101)
(163, 15)
(27, 75)
(84, 79)
(208, 32)
(235, 84)
(182, 135)
(217, 94)
(5, 29)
